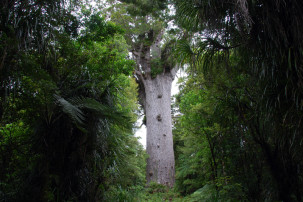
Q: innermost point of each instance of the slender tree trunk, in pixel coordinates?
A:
(161, 161)
(213, 164)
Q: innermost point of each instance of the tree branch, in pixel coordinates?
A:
(174, 70)
(139, 75)
(156, 49)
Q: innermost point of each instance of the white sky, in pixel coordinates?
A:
(141, 132)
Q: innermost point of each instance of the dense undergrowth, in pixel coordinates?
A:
(157, 193)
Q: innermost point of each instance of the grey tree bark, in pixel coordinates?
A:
(155, 97)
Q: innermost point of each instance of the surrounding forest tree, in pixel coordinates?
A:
(257, 48)
(67, 105)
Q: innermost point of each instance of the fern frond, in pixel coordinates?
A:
(73, 111)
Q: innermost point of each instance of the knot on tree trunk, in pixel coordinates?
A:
(159, 118)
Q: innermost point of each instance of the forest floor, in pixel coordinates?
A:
(159, 197)
(159, 193)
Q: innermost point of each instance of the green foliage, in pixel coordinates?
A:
(137, 28)
(123, 194)
(209, 139)
(98, 30)
(13, 158)
(241, 64)
(144, 8)
(209, 192)
(156, 67)
(157, 192)
(154, 187)
(67, 108)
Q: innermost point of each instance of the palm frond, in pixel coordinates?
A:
(188, 15)
(184, 51)
(73, 111)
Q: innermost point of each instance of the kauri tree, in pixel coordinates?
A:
(155, 71)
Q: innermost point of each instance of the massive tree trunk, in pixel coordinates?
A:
(159, 147)
(155, 97)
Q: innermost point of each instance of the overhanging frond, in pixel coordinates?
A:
(73, 111)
